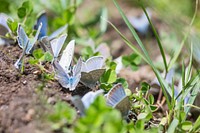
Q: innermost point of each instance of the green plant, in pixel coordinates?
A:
(62, 116)
(38, 59)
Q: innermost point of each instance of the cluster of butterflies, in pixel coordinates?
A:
(115, 98)
(87, 72)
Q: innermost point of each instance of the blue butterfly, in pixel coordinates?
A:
(68, 80)
(43, 19)
(118, 99)
(92, 70)
(18, 63)
(141, 24)
(23, 39)
(85, 102)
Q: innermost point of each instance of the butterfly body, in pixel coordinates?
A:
(68, 80)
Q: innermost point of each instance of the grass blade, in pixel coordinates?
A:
(157, 38)
(165, 87)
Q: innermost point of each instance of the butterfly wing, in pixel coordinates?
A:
(123, 106)
(93, 63)
(89, 97)
(117, 98)
(67, 56)
(63, 78)
(33, 40)
(42, 19)
(57, 44)
(3, 24)
(58, 32)
(76, 75)
(45, 44)
(18, 63)
(76, 100)
(89, 79)
(22, 38)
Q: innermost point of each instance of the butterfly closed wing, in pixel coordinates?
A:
(44, 20)
(117, 98)
(92, 71)
(141, 24)
(67, 56)
(68, 80)
(57, 44)
(84, 102)
(23, 39)
(3, 24)
(18, 63)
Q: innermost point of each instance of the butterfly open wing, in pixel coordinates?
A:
(42, 19)
(76, 75)
(57, 44)
(93, 63)
(67, 56)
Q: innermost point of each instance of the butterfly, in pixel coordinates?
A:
(85, 102)
(3, 24)
(54, 46)
(18, 63)
(117, 98)
(91, 71)
(68, 80)
(43, 19)
(67, 56)
(57, 44)
(23, 39)
(141, 24)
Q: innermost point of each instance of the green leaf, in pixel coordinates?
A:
(123, 82)
(151, 99)
(28, 5)
(153, 108)
(48, 56)
(106, 86)
(132, 60)
(21, 12)
(12, 25)
(113, 65)
(173, 126)
(145, 87)
(38, 53)
(33, 61)
(187, 125)
(196, 126)
(109, 76)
